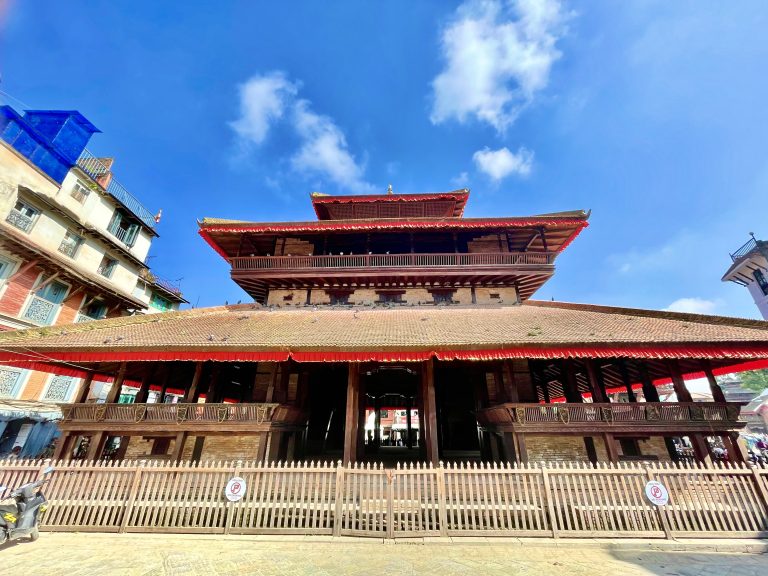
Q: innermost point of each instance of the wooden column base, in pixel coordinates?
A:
(96, 447)
(701, 448)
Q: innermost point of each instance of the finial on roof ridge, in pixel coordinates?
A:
(389, 189)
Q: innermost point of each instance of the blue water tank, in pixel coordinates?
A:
(68, 131)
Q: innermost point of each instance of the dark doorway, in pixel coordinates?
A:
(327, 399)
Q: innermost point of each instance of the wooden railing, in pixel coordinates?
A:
(168, 413)
(391, 260)
(627, 413)
(570, 499)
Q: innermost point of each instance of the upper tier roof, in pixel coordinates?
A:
(375, 206)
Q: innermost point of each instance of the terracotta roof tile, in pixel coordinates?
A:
(253, 328)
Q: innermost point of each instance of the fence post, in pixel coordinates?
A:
(128, 510)
(762, 491)
(339, 497)
(441, 504)
(662, 514)
(550, 501)
(390, 503)
(231, 506)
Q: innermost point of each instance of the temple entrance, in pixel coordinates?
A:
(391, 425)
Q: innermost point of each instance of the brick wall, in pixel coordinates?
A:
(70, 307)
(507, 295)
(230, 447)
(35, 385)
(562, 448)
(17, 291)
(654, 446)
(488, 243)
(294, 297)
(294, 247)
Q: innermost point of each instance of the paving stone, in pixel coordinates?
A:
(72, 554)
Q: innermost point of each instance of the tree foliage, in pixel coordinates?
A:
(756, 380)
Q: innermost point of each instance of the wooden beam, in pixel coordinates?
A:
(649, 390)
(190, 396)
(596, 383)
(626, 379)
(178, 446)
(22, 270)
(81, 396)
(143, 393)
(117, 385)
(610, 447)
(678, 383)
(714, 387)
(352, 413)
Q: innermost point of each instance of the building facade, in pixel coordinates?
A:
(749, 268)
(397, 304)
(73, 246)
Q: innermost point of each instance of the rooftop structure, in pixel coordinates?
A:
(750, 269)
(397, 302)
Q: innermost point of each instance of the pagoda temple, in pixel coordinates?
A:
(393, 328)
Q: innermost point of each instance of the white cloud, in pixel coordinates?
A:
(266, 99)
(692, 306)
(461, 180)
(324, 149)
(498, 55)
(499, 164)
(263, 100)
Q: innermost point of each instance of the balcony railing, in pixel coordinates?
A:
(169, 413)
(19, 220)
(92, 166)
(745, 249)
(640, 414)
(391, 260)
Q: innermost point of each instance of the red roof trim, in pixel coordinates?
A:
(212, 243)
(745, 352)
(346, 225)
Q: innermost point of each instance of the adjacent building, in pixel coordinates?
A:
(750, 269)
(396, 304)
(73, 247)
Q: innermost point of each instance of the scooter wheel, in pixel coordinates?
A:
(34, 535)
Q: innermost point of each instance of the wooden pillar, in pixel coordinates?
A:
(117, 385)
(178, 446)
(64, 446)
(164, 384)
(143, 393)
(275, 445)
(430, 409)
(212, 390)
(740, 452)
(700, 448)
(271, 386)
(197, 450)
(570, 384)
(261, 451)
(123, 449)
(508, 443)
(682, 393)
(96, 446)
(377, 423)
(522, 387)
(714, 387)
(610, 447)
(596, 383)
(627, 380)
(85, 389)
(352, 413)
(589, 444)
(192, 391)
(649, 390)
(408, 407)
(522, 450)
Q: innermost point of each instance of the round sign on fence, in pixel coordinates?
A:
(235, 489)
(656, 493)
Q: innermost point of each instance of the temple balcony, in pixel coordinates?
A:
(527, 269)
(163, 418)
(634, 417)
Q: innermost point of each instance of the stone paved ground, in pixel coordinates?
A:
(150, 555)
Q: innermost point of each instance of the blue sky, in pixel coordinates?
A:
(650, 113)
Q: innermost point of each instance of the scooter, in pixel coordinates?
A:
(22, 518)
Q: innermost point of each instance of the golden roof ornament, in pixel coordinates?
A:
(389, 189)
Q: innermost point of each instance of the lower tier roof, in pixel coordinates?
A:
(251, 332)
